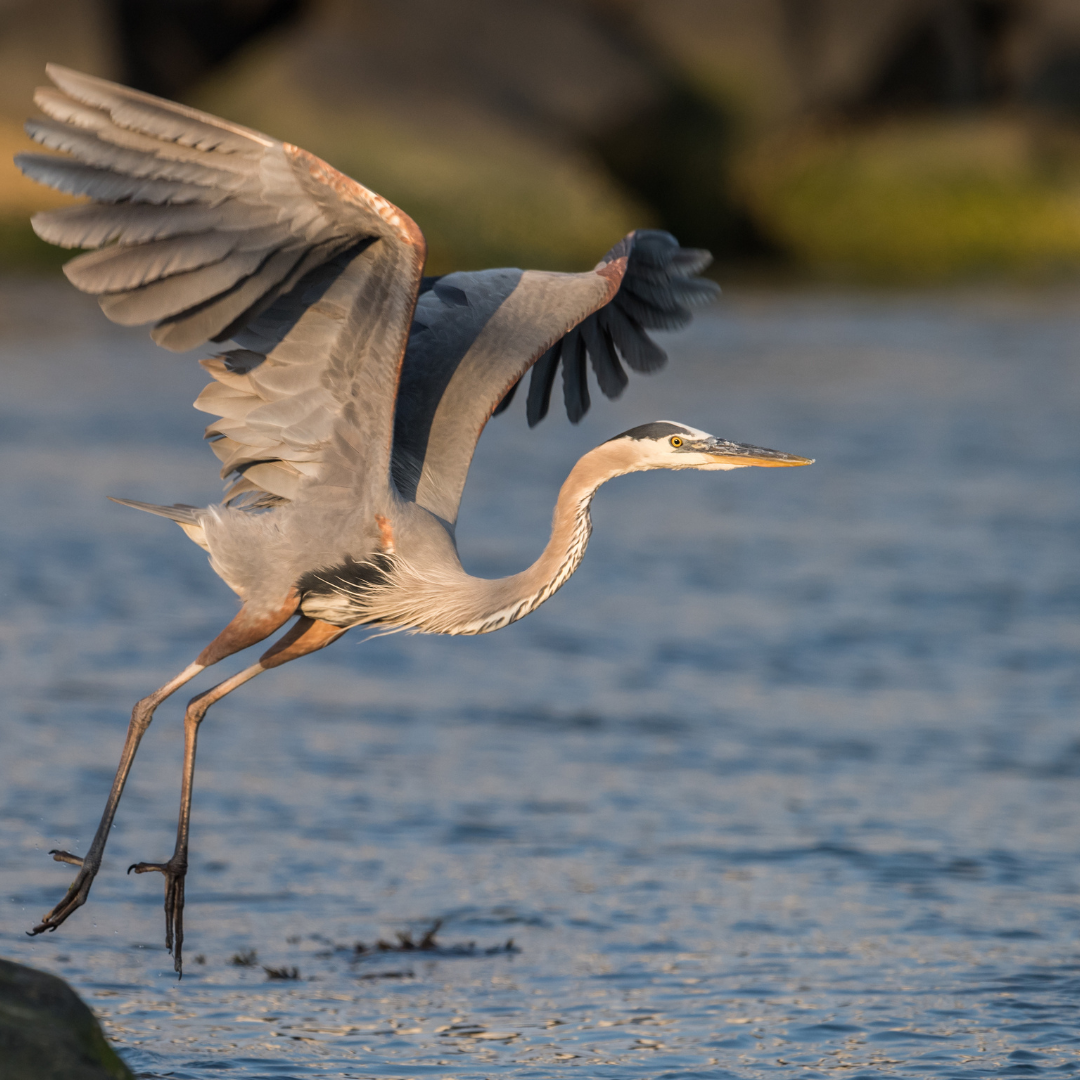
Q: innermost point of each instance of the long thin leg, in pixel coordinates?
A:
(307, 636)
(244, 630)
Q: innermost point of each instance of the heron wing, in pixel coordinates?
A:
(476, 334)
(212, 231)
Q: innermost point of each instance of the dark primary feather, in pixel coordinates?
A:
(575, 376)
(541, 384)
(506, 401)
(610, 376)
(640, 352)
(657, 292)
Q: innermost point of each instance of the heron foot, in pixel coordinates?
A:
(77, 892)
(175, 870)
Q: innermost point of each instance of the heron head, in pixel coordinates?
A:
(666, 445)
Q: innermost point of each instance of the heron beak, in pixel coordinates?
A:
(728, 453)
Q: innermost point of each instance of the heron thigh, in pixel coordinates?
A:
(249, 627)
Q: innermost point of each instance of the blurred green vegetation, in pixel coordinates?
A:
(932, 200)
(927, 200)
(700, 117)
(22, 251)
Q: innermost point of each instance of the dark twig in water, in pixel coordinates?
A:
(429, 944)
(282, 972)
(247, 958)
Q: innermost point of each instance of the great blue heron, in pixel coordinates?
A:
(355, 389)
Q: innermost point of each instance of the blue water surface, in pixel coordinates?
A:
(784, 782)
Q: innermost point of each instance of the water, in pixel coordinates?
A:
(783, 782)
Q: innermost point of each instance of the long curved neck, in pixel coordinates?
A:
(441, 599)
(496, 603)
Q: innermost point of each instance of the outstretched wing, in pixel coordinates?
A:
(476, 334)
(212, 231)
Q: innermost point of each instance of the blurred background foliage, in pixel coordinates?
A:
(899, 140)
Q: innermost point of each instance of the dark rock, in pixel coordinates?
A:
(47, 1033)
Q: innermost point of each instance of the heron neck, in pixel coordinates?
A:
(441, 599)
(509, 599)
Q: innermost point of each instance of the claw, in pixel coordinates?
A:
(74, 898)
(175, 873)
(146, 867)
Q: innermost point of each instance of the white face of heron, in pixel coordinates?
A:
(664, 444)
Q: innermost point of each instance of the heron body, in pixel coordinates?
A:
(349, 391)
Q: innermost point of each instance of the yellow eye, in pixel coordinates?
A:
(676, 441)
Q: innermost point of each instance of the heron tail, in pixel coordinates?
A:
(189, 518)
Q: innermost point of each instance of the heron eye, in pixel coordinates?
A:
(676, 441)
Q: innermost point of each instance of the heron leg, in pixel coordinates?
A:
(244, 630)
(306, 636)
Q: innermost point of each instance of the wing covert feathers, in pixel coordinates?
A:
(476, 334)
(212, 231)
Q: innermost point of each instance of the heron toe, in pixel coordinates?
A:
(66, 856)
(175, 870)
(74, 898)
(146, 867)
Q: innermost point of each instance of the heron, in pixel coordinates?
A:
(350, 390)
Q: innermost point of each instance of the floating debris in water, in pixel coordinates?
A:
(476, 1031)
(429, 944)
(281, 972)
(247, 958)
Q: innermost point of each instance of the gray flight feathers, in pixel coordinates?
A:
(199, 223)
(476, 333)
(212, 231)
(463, 357)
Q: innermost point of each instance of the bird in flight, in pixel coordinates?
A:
(350, 390)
